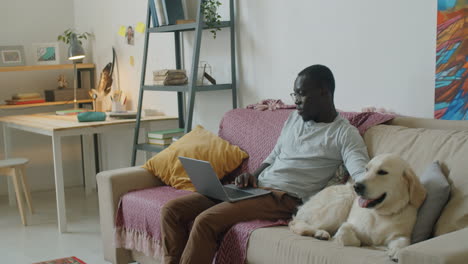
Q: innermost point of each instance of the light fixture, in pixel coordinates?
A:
(75, 53)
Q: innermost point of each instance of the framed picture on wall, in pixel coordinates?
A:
(12, 56)
(46, 53)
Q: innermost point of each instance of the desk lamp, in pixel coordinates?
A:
(75, 53)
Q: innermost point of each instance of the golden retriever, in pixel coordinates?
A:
(380, 209)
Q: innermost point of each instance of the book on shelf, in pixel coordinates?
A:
(154, 13)
(25, 101)
(160, 12)
(166, 134)
(162, 142)
(173, 10)
(23, 96)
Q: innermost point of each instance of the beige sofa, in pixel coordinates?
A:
(419, 141)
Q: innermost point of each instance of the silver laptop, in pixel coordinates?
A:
(207, 183)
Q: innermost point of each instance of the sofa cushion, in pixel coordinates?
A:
(279, 245)
(438, 192)
(420, 147)
(198, 144)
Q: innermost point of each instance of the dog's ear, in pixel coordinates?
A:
(417, 192)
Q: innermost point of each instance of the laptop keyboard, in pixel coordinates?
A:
(233, 193)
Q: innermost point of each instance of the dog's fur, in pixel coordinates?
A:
(337, 209)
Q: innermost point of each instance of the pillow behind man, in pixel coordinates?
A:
(198, 144)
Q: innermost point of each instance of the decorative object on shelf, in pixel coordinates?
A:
(46, 53)
(12, 56)
(105, 81)
(170, 77)
(204, 69)
(211, 16)
(66, 36)
(75, 53)
(62, 82)
(104, 86)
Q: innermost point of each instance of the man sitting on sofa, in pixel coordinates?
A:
(314, 141)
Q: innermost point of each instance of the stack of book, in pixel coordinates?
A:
(164, 137)
(170, 77)
(25, 98)
(167, 12)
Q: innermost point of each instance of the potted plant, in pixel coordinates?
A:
(211, 16)
(65, 37)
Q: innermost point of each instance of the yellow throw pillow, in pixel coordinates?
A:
(198, 144)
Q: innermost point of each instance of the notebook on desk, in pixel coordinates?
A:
(207, 183)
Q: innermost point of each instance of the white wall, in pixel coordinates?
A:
(25, 23)
(382, 52)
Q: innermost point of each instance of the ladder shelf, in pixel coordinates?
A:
(185, 115)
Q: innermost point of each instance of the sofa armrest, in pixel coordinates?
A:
(445, 249)
(112, 185)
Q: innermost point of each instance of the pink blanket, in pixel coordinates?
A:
(256, 132)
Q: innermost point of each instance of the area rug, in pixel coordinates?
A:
(69, 260)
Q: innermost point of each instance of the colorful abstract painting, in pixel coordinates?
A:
(451, 92)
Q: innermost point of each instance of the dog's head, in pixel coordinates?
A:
(388, 185)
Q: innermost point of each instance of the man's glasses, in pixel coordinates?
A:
(297, 97)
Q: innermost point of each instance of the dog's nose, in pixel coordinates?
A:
(359, 188)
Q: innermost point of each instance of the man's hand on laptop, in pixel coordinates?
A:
(246, 179)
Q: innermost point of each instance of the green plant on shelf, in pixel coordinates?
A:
(65, 37)
(211, 16)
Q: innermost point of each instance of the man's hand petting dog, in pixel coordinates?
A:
(245, 180)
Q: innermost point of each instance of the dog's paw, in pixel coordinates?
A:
(395, 246)
(322, 235)
(394, 254)
(339, 239)
(345, 236)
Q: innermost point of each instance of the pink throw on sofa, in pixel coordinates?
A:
(256, 132)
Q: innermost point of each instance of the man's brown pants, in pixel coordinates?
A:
(211, 219)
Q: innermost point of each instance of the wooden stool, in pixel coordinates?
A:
(15, 169)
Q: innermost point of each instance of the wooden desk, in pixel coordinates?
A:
(8, 107)
(56, 127)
